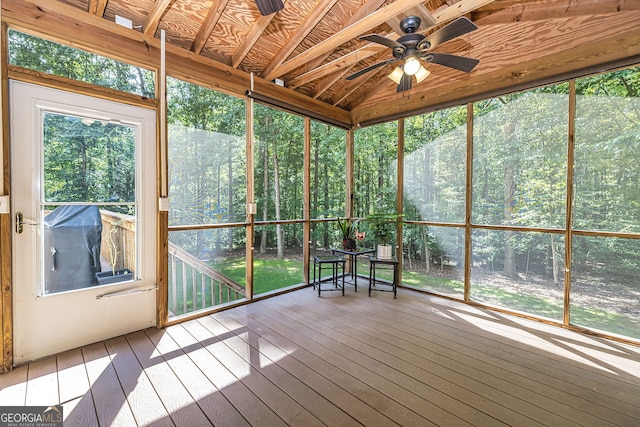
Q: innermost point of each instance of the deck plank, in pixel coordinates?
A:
(109, 399)
(42, 383)
(216, 407)
(381, 394)
(521, 356)
(279, 348)
(254, 410)
(75, 390)
(571, 384)
(13, 387)
(181, 407)
(282, 404)
(401, 385)
(241, 343)
(296, 359)
(146, 406)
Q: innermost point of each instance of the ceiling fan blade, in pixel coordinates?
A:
(452, 61)
(405, 83)
(377, 38)
(369, 68)
(455, 29)
(267, 7)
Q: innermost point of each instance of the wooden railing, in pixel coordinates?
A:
(118, 247)
(194, 285)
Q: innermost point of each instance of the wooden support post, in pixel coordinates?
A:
(400, 197)
(566, 318)
(306, 214)
(468, 204)
(250, 200)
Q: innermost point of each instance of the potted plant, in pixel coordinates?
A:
(383, 228)
(348, 229)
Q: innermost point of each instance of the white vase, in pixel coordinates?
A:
(384, 251)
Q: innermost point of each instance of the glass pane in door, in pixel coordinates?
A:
(88, 202)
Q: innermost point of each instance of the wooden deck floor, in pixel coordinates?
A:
(300, 360)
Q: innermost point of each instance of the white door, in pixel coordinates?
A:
(83, 203)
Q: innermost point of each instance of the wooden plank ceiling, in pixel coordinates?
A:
(312, 45)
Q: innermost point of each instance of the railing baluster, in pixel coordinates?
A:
(203, 290)
(174, 290)
(194, 289)
(184, 288)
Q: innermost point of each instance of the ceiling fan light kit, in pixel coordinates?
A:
(412, 48)
(422, 74)
(396, 75)
(411, 65)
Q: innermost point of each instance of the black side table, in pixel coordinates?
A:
(383, 264)
(353, 258)
(336, 264)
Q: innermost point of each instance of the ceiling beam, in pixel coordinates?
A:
(97, 7)
(371, 91)
(151, 24)
(316, 15)
(250, 39)
(545, 11)
(328, 82)
(365, 10)
(347, 60)
(209, 23)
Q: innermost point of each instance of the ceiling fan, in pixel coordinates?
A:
(413, 47)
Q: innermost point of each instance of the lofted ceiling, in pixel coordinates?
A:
(312, 45)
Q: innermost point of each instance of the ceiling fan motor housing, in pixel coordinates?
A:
(410, 24)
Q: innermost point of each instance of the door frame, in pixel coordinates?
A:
(147, 229)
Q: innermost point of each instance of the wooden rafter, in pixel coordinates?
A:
(318, 12)
(366, 10)
(357, 84)
(337, 64)
(151, 24)
(371, 92)
(214, 14)
(378, 17)
(97, 7)
(546, 11)
(330, 81)
(252, 37)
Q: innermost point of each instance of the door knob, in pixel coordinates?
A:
(21, 222)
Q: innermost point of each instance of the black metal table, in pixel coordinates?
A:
(353, 259)
(336, 264)
(383, 263)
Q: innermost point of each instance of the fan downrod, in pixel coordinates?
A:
(410, 24)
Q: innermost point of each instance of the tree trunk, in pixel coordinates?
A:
(427, 264)
(554, 262)
(230, 207)
(509, 200)
(265, 192)
(276, 187)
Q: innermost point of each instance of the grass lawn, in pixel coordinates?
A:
(271, 274)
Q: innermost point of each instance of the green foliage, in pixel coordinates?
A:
(348, 228)
(383, 226)
(64, 61)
